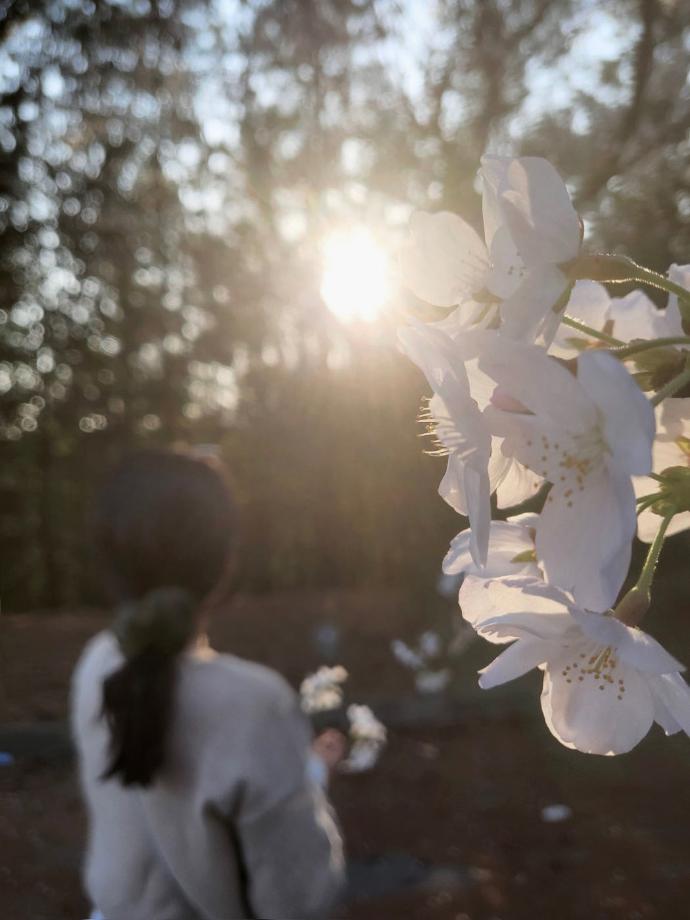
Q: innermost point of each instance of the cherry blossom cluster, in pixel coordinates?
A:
(426, 661)
(561, 414)
(323, 691)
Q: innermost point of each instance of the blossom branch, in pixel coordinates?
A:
(626, 351)
(593, 333)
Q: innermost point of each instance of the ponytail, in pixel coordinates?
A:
(163, 519)
(138, 697)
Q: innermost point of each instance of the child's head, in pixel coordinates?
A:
(165, 533)
(164, 519)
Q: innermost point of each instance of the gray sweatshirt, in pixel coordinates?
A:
(232, 827)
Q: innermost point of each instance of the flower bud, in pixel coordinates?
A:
(675, 490)
(633, 606)
(601, 267)
(655, 367)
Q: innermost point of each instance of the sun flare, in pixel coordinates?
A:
(356, 282)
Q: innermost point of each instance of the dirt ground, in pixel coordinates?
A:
(465, 799)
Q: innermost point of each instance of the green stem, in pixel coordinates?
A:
(672, 387)
(635, 603)
(592, 333)
(615, 269)
(634, 347)
(644, 582)
(654, 279)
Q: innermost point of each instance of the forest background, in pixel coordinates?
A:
(169, 170)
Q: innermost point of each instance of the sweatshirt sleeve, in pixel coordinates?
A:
(290, 844)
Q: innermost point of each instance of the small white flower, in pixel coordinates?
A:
(323, 689)
(363, 756)
(671, 448)
(430, 644)
(424, 660)
(511, 550)
(368, 735)
(364, 726)
(605, 683)
(406, 656)
(432, 681)
(586, 435)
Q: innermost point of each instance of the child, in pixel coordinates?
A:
(193, 764)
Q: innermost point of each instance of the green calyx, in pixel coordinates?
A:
(674, 489)
(656, 367)
(602, 266)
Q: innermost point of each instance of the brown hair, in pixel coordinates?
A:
(165, 531)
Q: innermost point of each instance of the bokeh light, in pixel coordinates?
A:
(356, 280)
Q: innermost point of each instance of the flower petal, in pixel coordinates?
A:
(515, 483)
(492, 174)
(538, 211)
(510, 608)
(589, 303)
(452, 486)
(592, 716)
(434, 353)
(507, 268)
(526, 313)
(648, 523)
(445, 261)
(628, 417)
(673, 421)
(516, 660)
(672, 702)
(476, 484)
(539, 382)
(584, 540)
(634, 647)
(673, 323)
(507, 540)
(635, 317)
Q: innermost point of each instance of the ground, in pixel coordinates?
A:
(449, 825)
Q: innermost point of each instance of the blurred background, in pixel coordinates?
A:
(200, 204)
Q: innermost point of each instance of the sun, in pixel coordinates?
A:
(356, 282)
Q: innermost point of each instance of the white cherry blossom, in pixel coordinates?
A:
(586, 435)
(680, 274)
(368, 736)
(476, 465)
(531, 232)
(605, 683)
(511, 550)
(671, 448)
(531, 200)
(445, 261)
(323, 689)
(626, 318)
(459, 427)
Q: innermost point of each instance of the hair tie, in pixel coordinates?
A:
(161, 621)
